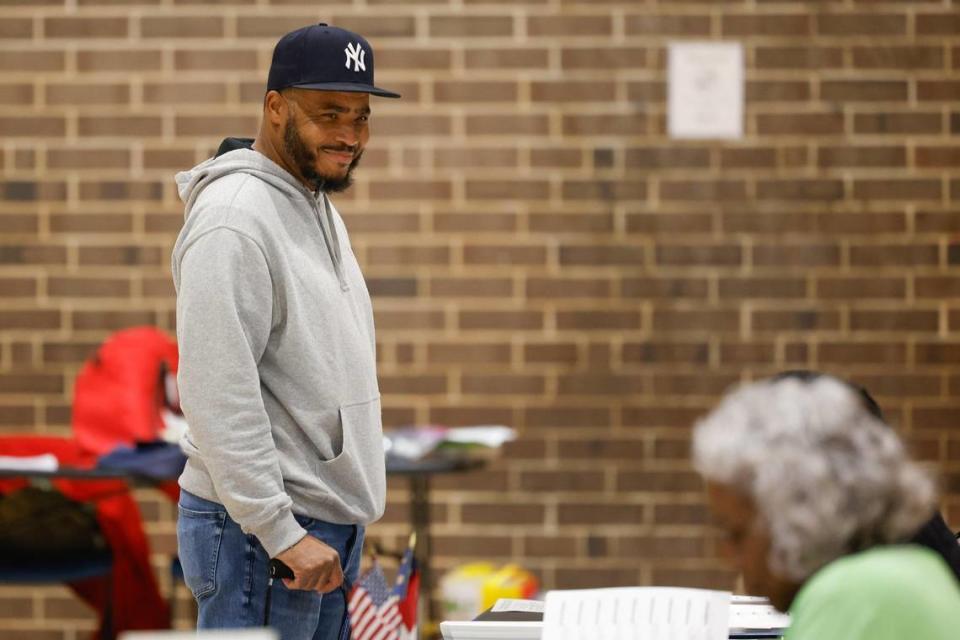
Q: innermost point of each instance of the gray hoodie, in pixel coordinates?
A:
(277, 368)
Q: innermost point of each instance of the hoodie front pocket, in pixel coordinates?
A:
(357, 474)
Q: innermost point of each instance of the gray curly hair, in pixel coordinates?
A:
(826, 477)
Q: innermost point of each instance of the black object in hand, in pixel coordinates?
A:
(279, 570)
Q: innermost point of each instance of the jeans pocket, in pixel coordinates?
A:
(199, 534)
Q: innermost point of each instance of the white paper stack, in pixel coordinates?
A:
(637, 613)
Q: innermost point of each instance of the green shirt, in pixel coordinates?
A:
(887, 593)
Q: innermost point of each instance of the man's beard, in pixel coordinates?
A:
(306, 160)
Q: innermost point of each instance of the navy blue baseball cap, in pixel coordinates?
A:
(324, 58)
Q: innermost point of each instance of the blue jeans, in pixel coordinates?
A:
(226, 570)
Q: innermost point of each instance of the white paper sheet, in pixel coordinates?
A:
(526, 606)
(705, 90)
(43, 462)
(636, 613)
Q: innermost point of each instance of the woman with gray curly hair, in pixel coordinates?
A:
(816, 494)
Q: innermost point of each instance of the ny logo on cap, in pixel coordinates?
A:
(356, 53)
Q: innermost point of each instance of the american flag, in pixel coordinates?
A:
(378, 612)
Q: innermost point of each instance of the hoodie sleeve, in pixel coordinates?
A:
(224, 317)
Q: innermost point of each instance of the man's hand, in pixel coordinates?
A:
(315, 565)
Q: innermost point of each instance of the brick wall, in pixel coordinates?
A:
(540, 253)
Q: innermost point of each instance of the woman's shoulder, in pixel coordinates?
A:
(885, 590)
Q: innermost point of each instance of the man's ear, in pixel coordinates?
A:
(275, 108)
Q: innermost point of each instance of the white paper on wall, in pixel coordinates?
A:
(705, 84)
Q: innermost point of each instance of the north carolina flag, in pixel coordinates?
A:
(380, 613)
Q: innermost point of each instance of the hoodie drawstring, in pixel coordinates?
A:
(329, 229)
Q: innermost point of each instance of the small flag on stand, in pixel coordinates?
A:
(378, 612)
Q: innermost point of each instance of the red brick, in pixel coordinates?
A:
(550, 353)
(604, 190)
(555, 91)
(556, 157)
(512, 255)
(666, 352)
(692, 384)
(77, 27)
(806, 255)
(30, 383)
(601, 383)
(214, 59)
(183, 27)
(661, 25)
(943, 24)
(747, 353)
(899, 320)
(471, 288)
(804, 57)
(867, 223)
(74, 287)
(670, 224)
(888, 255)
(611, 513)
(16, 94)
(599, 320)
(744, 157)
(504, 58)
(501, 513)
(16, 28)
(567, 417)
(569, 26)
(194, 93)
(603, 58)
(897, 123)
(127, 126)
(469, 222)
(32, 126)
(501, 320)
(554, 223)
(33, 254)
(703, 190)
(766, 222)
(848, 353)
(777, 91)
(846, 288)
(898, 189)
(762, 288)
(725, 255)
(939, 156)
(864, 90)
(801, 319)
(881, 57)
(507, 190)
(866, 24)
(122, 60)
(850, 156)
(474, 92)
(938, 90)
(800, 123)
(766, 25)
(474, 25)
(498, 384)
(696, 321)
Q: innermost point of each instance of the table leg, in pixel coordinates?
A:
(420, 517)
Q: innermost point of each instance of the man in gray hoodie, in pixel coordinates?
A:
(277, 370)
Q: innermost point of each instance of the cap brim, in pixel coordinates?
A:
(348, 87)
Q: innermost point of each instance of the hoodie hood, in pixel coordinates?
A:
(236, 155)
